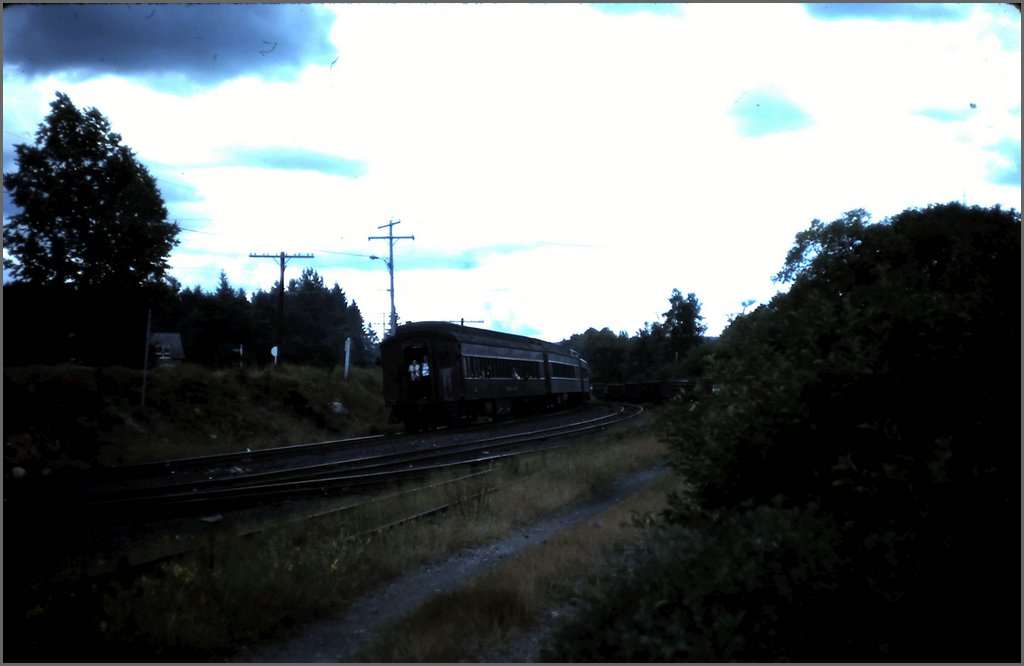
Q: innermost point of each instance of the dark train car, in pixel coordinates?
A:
(439, 373)
(638, 392)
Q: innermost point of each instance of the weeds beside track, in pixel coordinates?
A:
(238, 590)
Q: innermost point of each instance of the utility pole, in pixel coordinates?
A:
(280, 294)
(145, 357)
(391, 238)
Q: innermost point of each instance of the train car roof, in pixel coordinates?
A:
(460, 333)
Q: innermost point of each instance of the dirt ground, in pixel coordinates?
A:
(337, 638)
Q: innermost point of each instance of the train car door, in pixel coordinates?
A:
(418, 372)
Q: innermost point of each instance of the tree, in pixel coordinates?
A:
(91, 214)
(660, 350)
(317, 322)
(876, 389)
(684, 324)
(214, 325)
(851, 459)
(648, 356)
(605, 351)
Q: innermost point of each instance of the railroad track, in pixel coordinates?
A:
(130, 518)
(355, 466)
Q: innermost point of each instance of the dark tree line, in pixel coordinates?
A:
(88, 252)
(87, 246)
(215, 325)
(852, 458)
(108, 327)
(661, 350)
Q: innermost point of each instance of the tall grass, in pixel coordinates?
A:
(524, 594)
(240, 590)
(68, 416)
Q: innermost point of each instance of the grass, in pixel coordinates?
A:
(525, 592)
(60, 417)
(240, 590)
(236, 590)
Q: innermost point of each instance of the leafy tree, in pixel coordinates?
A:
(877, 387)
(88, 246)
(605, 351)
(660, 350)
(648, 353)
(91, 214)
(684, 324)
(893, 336)
(873, 392)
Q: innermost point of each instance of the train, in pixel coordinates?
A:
(439, 373)
(650, 392)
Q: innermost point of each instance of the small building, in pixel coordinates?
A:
(167, 348)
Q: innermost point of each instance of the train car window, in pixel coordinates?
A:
(564, 371)
(482, 367)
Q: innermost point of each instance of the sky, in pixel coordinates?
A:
(557, 167)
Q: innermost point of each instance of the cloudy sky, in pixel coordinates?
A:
(561, 166)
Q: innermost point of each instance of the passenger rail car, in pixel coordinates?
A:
(437, 373)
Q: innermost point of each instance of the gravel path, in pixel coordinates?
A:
(339, 637)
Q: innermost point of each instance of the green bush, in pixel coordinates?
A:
(876, 388)
(751, 585)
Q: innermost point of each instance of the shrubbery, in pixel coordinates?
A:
(742, 586)
(883, 388)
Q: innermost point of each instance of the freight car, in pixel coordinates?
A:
(437, 373)
(649, 392)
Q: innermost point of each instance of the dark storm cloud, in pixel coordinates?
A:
(203, 44)
(884, 11)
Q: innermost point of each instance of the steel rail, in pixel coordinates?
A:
(126, 472)
(156, 472)
(382, 461)
(345, 476)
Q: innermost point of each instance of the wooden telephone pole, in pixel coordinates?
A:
(280, 295)
(390, 261)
